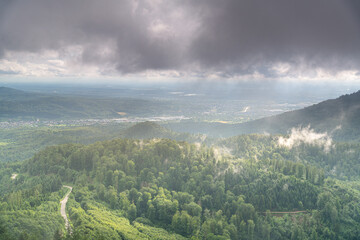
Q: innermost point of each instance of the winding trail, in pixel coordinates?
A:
(63, 209)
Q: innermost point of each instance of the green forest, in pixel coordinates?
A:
(245, 187)
(21, 143)
(179, 120)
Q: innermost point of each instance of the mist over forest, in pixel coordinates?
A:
(202, 120)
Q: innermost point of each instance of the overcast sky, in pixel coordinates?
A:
(154, 40)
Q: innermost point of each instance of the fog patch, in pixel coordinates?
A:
(197, 145)
(337, 127)
(308, 136)
(220, 152)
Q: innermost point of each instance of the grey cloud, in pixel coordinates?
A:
(325, 33)
(230, 36)
(35, 25)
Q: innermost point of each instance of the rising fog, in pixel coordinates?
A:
(308, 136)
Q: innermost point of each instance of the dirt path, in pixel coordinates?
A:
(63, 209)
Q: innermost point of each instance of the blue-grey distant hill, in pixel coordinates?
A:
(20, 105)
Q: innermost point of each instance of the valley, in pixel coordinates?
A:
(175, 120)
(139, 178)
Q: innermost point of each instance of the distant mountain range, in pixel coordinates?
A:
(10, 94)
(20, 105)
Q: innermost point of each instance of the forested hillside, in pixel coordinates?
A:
(18, 144)
(150, 130)
(163, 189)
(341, 160)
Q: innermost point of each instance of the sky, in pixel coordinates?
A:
(180, 40)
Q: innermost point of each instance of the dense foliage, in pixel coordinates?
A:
(163, 189)
(18, 144)
(341, 160)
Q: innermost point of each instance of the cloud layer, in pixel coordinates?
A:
(204, 38)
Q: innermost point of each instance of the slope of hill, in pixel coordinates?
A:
(15, 104)
(342, 113)
(10, 94)
(151, 130)
(22, 143)
(148, 130)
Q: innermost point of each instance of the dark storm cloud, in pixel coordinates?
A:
(231, 36)
(121, 25)
(324, 33)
